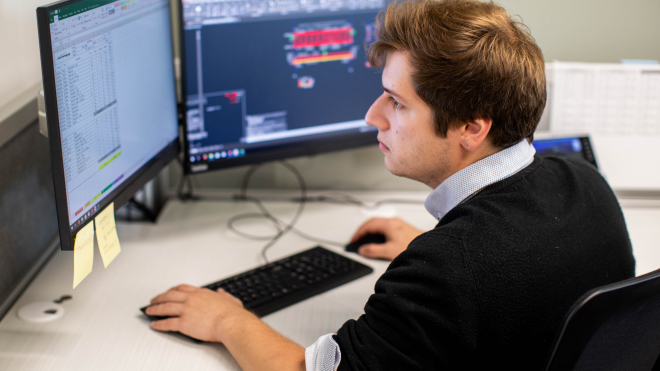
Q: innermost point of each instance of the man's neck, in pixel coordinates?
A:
(464, 158)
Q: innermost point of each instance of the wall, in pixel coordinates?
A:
(592, 30)
(567, 30)
(20, 66)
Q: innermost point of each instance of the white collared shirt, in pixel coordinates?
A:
(473, 178)
(324, 354)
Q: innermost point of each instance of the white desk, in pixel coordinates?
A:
(102, 328)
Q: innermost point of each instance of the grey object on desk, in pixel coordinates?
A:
(28, 223)
(41, 311)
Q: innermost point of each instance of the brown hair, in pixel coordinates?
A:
(471, 61)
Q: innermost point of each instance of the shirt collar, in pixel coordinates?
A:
(477, 176)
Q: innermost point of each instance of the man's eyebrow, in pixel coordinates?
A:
(392, 92)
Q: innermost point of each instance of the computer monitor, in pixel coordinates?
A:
(110, 96)
(265, 80)
(565, 145)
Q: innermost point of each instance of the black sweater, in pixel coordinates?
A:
(489, 286)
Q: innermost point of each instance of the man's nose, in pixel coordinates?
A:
(376, 115)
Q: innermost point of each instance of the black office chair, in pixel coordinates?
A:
(614, 327)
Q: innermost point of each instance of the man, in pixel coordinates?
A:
(519, 238)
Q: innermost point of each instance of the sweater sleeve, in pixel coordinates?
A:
(423, 314)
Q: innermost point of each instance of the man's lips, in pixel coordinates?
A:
(382, 146)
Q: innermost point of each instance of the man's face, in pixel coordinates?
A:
(405, 127)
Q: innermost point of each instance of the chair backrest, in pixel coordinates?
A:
(614, 327)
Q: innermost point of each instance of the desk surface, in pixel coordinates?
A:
(102, 328)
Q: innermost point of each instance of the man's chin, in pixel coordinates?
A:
(393, 169)
(398, 170)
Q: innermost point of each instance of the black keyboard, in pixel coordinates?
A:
(271, 287)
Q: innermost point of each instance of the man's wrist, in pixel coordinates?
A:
(235, 321)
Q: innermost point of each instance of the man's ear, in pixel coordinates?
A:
(474, 133)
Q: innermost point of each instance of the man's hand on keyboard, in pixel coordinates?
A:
(398, 235)
(217, 316)
(196, 312)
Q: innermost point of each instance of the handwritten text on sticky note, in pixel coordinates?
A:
(106, 232)
(83, 253)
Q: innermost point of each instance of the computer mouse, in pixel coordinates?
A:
(366, 239)
(153, 318)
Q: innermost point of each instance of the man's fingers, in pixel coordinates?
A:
(373, 225)
(176, 293)
(182, 287)
(159, 299)
(187, 288)
(172, 295)
(374, 250)
(165, 310)
(223, 292)
(169, 324)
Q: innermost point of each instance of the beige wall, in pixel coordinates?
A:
(592, 30)
(567, 30)
(19, 48)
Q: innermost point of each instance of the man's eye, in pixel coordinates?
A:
(396, 104)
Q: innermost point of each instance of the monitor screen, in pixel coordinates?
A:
(110, 99)
(565, 146)
(273, 79)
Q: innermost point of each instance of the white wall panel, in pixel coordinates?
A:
(19, 48)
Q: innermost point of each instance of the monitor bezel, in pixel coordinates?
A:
(124, 191)
(587, 149)
(308, 147)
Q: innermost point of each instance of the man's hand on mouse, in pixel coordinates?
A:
(398, 235)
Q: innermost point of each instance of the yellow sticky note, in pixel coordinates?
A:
(83, 254)
(106, 232)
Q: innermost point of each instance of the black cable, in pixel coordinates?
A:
(281, 227)
(348, 199)
(184, 179)
(230, 224)
(277, 223)
(322, 198)
(179, 188)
